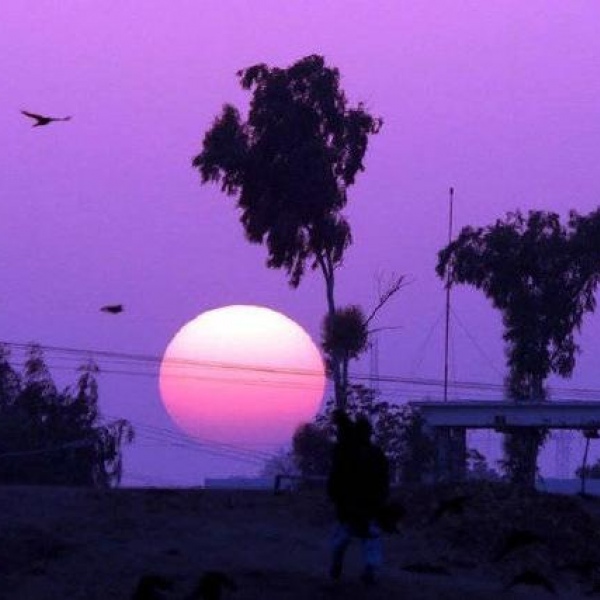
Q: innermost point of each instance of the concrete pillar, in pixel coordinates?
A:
(458, 468)
(450, 463)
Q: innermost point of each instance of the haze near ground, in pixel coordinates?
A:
(93, 544)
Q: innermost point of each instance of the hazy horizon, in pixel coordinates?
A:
(499, 101)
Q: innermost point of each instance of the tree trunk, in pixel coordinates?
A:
(522, 445)
(339, 383)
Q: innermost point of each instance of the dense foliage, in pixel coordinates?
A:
(291, 162)
(290, 165)
(542, 276)
(49, 436)
(396, 429)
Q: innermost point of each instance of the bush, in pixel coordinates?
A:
(55, 437)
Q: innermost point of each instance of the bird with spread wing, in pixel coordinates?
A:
(41, 120)
(113, 309)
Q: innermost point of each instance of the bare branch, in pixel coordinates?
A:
(390, 328)
(396, 283)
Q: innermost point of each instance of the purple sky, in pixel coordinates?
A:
(500, 100)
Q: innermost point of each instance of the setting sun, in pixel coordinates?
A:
(241, 374)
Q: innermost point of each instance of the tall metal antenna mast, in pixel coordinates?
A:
(447, 333)
(374, 361)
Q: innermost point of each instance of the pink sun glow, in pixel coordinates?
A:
(241, 374)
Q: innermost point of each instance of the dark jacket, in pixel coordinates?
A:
(358, 483)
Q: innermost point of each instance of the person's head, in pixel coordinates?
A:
(363, 430)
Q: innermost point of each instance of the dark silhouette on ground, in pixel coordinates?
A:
(586, 569)
(516, 540)
(594, 590)
(41, 120)
(211, 586)
(113, 309)
(533, 578)
(48, 532)
(150, 587)
(390, 515)
(453, 506)
(426, 569)
(358, 486)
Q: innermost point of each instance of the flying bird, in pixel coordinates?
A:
(532, 578)
(211, 586)
(41, 120)
(150, 587)
(515, 540)
(113, 309)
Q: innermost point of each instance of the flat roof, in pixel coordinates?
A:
(479, 414)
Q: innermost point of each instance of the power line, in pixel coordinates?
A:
(172, 435)
(145, 360)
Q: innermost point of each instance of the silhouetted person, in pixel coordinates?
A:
(113, 309)
(358, 485)
(41, 120)
(211, 586)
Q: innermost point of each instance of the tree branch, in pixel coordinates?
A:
(396, 283)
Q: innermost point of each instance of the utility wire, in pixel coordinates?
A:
(145, 360)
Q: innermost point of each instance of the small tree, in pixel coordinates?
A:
(54, 437)
(344, 336)
(312, 449)
(478, 467)
(397, 429)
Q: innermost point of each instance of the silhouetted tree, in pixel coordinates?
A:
(344, 336)
(540, 275)
(49, 436)
(397, 430)
(478, 467)
(312, 447)
(290, 165)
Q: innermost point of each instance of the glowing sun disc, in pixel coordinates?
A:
(241, 374)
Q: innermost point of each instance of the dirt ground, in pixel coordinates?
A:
(58, 543)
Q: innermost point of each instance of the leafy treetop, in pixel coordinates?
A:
(48, 436)
(291, 162)
(539, 274)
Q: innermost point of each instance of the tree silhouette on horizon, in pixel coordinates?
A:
(52, 436)
(290, 165)
(541, 275)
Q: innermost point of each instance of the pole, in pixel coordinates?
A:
(584, 465)
(447, 333)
